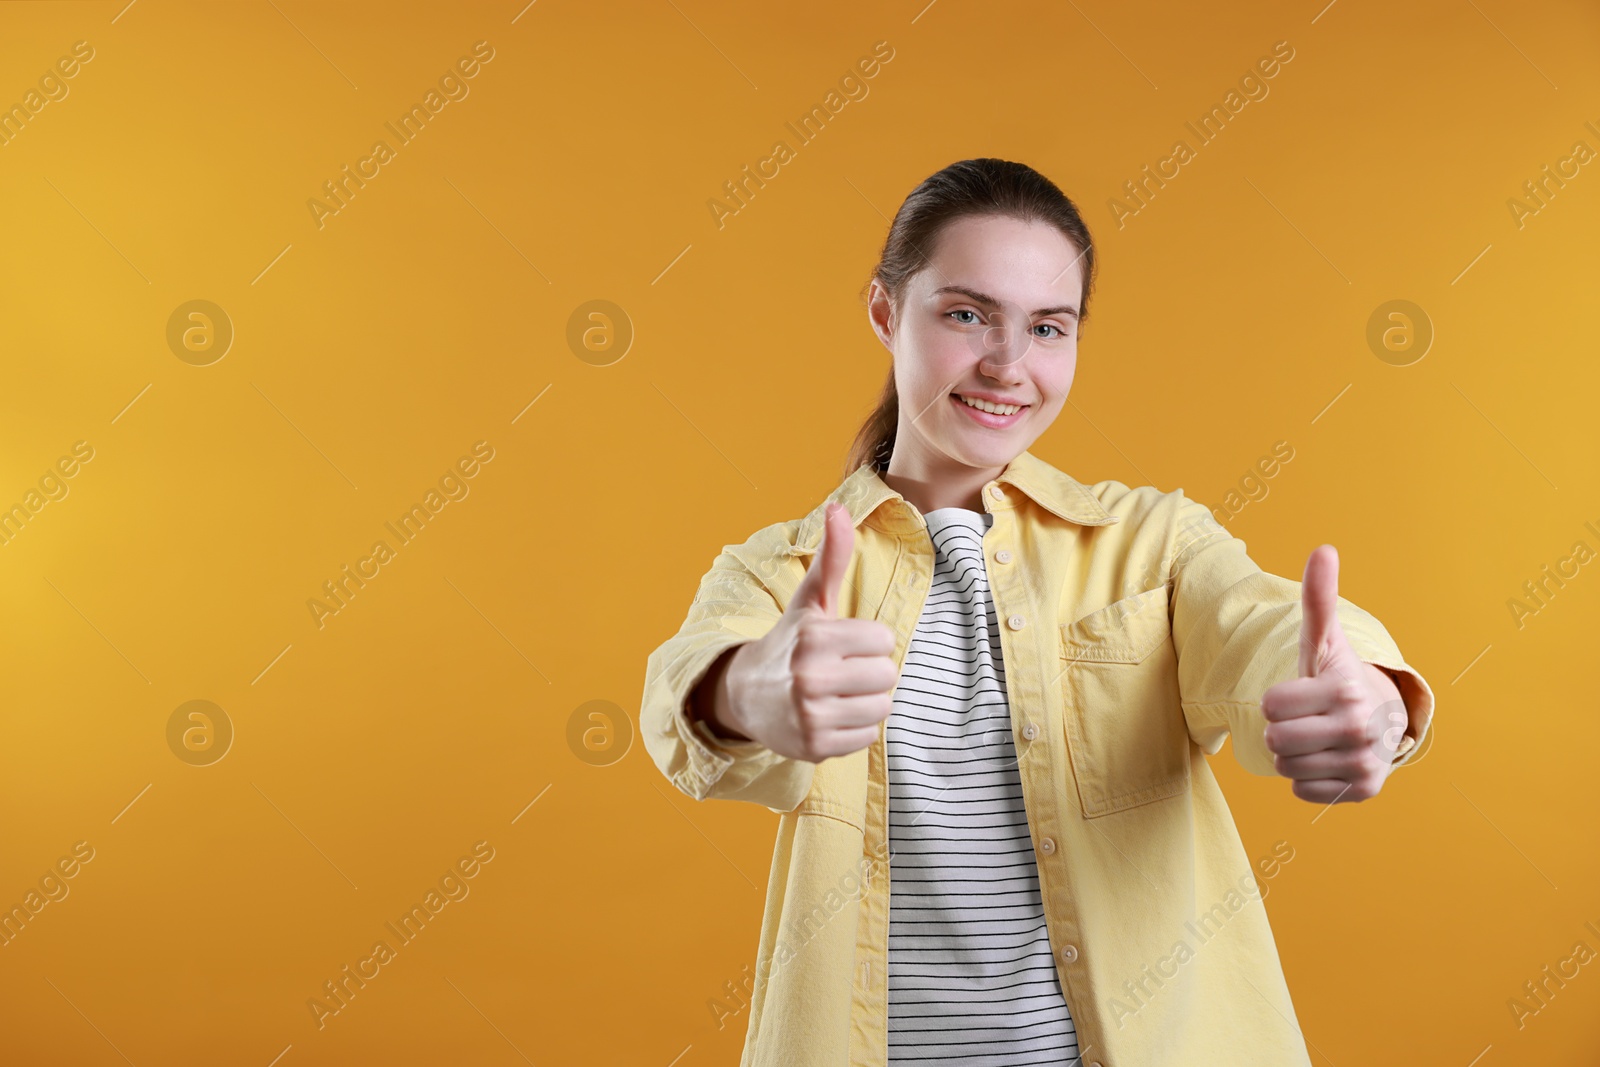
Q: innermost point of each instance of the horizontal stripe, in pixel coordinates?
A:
(972, 975)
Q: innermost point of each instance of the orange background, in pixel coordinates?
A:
(427, 715)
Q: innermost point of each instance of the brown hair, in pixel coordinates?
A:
(970, 187)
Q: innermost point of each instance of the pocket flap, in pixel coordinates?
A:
(1124, 631)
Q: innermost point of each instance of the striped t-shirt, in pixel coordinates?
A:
(972, 980)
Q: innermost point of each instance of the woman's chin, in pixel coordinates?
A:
(982, 451)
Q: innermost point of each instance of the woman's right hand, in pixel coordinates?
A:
(816, 685)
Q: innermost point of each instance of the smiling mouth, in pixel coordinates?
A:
(985, 406)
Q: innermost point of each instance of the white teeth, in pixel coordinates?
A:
(993, 409)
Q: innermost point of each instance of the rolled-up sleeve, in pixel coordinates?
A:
(1236, 629)
(731, 606)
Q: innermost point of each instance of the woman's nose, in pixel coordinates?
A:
(1001, 348)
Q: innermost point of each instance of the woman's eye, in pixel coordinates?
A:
(1057, 335)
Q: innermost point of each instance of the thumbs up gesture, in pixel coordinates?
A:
(1334, 729)
(816, 685)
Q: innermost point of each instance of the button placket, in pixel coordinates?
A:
(912, 576)
(1044, 813)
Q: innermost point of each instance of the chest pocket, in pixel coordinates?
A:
(1124, 722)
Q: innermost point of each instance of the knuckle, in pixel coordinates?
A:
(809, 730)
(805, 684)
(886, 638)
(809, 633)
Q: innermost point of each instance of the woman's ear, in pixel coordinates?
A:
(880, 313)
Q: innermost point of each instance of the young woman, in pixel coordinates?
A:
(983, 706)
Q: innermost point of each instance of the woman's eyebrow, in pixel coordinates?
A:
(989, 301)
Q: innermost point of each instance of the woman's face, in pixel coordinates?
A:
(993, 317)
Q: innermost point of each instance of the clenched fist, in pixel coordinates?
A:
(815, 685)
(1335, 729)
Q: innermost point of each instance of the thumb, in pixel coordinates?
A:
(820, 587)
(1319, 599)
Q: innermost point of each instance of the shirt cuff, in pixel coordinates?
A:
(1419, 702)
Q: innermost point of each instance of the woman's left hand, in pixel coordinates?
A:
(1334, 729)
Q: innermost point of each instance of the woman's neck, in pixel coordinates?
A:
(954, 486)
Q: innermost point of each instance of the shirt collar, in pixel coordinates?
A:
(1052, 489)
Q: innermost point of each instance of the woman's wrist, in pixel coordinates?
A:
(711, 700)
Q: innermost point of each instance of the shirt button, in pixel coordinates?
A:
(997, 492)
(1047, 845)
(1003, 556)
(1030, 731)
(1069, 953)
(1016, 622)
